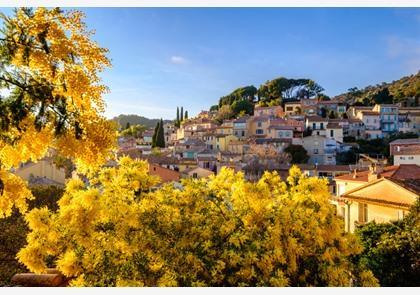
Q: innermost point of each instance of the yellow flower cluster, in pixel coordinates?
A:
(60, 56)
(219, 231)
(15, 193)
(30, 145)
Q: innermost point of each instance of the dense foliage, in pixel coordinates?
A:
(13, 231)
(298, 154)
(244, 93)
(218, 231)
(391, 250)
(347, 158)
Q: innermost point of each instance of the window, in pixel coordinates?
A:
(243, 133)
(313, 126)
(289, 108)
(411, 158)
(259, 131)
(317, 133)
(322, 125)
(363, 213)
(195, 175)
(259, 124)
(332, 133)
(402, 158)
(315, 151)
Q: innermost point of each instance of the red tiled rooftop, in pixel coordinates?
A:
(401, 172)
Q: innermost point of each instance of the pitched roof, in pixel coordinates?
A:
(316, 119)
(384, 191)
(406, 141)
(401, 172)
(281, 127)
(334, 125)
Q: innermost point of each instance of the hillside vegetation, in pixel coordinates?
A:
(405, 90)
(122, 120)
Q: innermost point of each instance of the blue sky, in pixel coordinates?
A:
(168, 57)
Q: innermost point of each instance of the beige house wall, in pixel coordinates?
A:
(42, 168)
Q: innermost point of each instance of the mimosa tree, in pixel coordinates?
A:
(51, 96)
(218, 231)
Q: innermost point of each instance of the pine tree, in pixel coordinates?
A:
(186, 115)
(182, 114)
(154, 137)
(160, 137)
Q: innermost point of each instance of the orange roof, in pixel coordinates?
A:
(401, 172)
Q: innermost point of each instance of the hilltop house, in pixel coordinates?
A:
(405, 151)
(372, 123)
(241, 127)
(389, 117)
(293, 108)
(274, 111)
(334, 131)
(321, 150)
(317, 124)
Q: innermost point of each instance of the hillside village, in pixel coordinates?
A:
(272, 139)
(277, 185)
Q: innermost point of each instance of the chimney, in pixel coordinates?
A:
(374, 172)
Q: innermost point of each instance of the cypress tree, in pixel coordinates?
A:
(154, 137)
(127, 125)
(177, 117)
(160, 137)
(182, 114)
(186, 115)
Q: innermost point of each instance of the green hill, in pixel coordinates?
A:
(122, 120)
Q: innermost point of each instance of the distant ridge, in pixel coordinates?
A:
(122, 120)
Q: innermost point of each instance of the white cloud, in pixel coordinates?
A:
(178, 60)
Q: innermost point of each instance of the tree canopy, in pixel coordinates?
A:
(243, 93)
(288, 89)
(216, 231)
